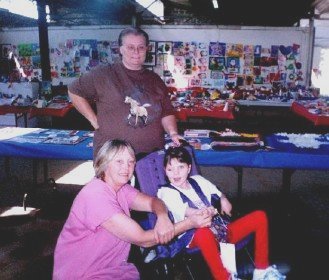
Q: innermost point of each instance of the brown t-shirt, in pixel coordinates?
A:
(110, 86)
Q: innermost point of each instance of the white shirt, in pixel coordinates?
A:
(174, 202)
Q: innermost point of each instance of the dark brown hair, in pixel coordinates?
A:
(179, 153)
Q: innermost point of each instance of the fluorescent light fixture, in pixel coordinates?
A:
(215, 3)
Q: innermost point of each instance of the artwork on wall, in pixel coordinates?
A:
(180, 64)
(164, 47)
(151, 55)
(5, 50)
(217, 49)
(216, 63)
(150, 59)
(152, 47)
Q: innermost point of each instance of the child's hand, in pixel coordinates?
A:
(200, 218)
(212, 211)
(226, 206)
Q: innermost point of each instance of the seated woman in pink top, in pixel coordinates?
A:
(96, 238)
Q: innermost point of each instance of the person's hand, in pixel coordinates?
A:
(164, 230)
(212, 211)
(175, 138)
(226, 206)
(201, 218)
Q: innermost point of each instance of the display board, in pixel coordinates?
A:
(184, 56)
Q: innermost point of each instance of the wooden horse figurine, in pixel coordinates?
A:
(137, 110)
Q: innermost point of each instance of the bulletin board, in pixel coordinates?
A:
(184, 56)
(233, 56)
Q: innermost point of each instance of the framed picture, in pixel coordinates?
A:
(150, 59)
(152, 47)
(164, 47)
(216, 63)
(5, 50)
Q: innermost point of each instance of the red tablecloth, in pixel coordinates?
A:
(8, 109)
(53, 110)
(217, 112)
(318, 120)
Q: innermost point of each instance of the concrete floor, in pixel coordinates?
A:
(299, 223)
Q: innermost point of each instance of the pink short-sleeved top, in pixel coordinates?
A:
(84, 249)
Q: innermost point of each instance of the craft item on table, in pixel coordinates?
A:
(308, 140)
(60, 99)
(251, 97)
(224, 145)
(229, 139)
(195, 143)
(73, 132)
(22, 102)
(64, 140)
(53, 136)
(7, 99)
(40, 103)
(316, 107)
(89, 134)
(198, 133)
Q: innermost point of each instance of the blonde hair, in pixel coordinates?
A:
(106, 154)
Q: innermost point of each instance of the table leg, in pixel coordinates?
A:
(7, 167)
(18, 116)
(286, 180)
(239, 171)
(45, 170)
(25, 119)
(35, 171)
(16, 119)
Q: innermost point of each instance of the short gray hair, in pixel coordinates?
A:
(106, 154)
(133, 31)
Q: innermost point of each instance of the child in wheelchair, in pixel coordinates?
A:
(185, 194)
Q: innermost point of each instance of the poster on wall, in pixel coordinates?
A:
(164, 47)
(191, 63)
(152, 47)
(28, 49)
(217, 49)
(5, 50)
(150, 59)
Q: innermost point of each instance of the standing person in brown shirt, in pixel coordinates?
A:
(132, 103)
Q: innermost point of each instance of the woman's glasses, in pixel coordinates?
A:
(132, 48)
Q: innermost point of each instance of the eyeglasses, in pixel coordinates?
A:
(132, 48)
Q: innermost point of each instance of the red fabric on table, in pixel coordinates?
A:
(11, 109)
(48, 111)
(318, 120)
(198, 111)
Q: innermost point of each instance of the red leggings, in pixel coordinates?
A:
(255, 222)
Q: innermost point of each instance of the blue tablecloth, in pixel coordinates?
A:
(281, 155)
(32, 148)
